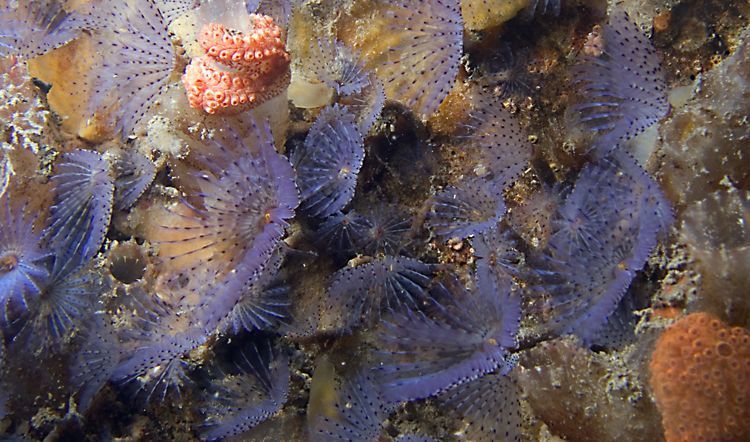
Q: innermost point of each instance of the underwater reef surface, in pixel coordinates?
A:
(370, 220)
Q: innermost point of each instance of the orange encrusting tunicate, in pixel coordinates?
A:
(240, 70)
(700, 375)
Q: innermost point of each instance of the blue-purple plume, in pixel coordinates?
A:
(471, 206)
(388, 232)
(133, 173)
(32, 28)
(232, 225)
(233, 221)
(360, 412)
(423, 65)
(602, 235)
(172, 9)
(4, 389)
(456, 337)
(95, 362)
(489, 405)
(339, 67)
(382, 284)
(25, 263)
(264, 305)
(150, 348)
(382, 230)
(137, 59)
(80, 216)
(342, 234)
(501, 147)
(497, 256)
(342, 69)
(255, 389)
(329, 161)
(64, 310)
(620, 82)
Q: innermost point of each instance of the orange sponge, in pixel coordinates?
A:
(700, 375)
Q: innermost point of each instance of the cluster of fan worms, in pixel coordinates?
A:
(206, 293)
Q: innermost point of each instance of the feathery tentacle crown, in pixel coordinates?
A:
(255, 390)
(342, 69)
(423, 66)
(232, 224)
(241, 69)
(502, 151)
(80, 216)
(501, 147)
(137, 59)
(490, 405)
(265, 305)
(359, 412)
(621, 84)
(328, 163)
(133, 173)
(32, 28)
(78, 222)
(389, 282)
(456, 337)
(172, 9)
(470, 207)
(24, 262)
(603, 234)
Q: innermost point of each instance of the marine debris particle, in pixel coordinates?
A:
(700, 373)
(621, 84)
(241, 69)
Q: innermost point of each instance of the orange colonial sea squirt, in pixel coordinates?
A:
(700, 375)
(241, 70)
